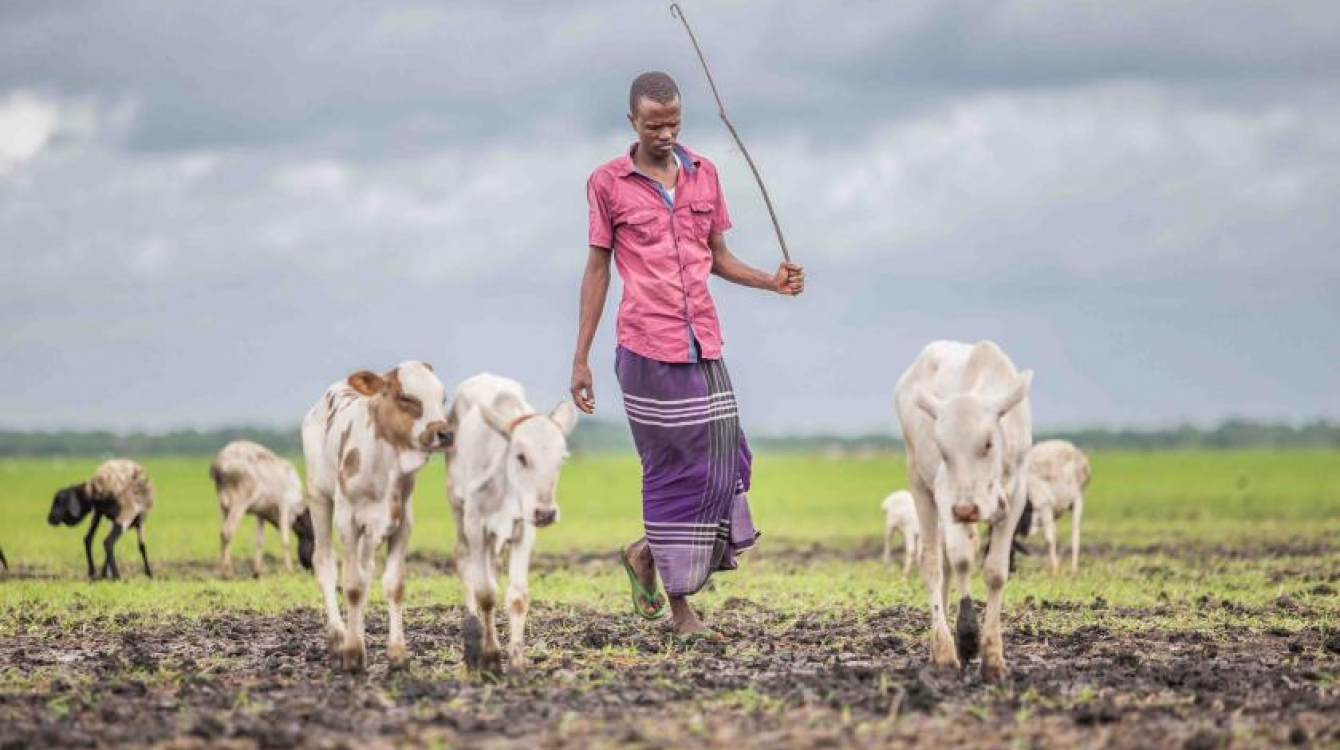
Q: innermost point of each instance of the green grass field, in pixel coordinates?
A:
(1207, 588)
(1173, 507)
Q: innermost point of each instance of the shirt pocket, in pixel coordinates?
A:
(646, 227)
(702, 213)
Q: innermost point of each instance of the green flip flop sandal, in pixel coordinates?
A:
(641, 599)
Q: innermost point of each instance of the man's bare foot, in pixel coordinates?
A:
(685, 621)
(644, 567)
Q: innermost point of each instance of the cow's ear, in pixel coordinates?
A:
(929, 402)
(565, 415)
(429, 365)
(1016, 393)
(498, 422)
(367, 382)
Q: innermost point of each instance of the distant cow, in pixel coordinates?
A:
(1058, 473)
(250, 479)
(364, 441)
(504, 484)
(119, 490)
(968, 427)
(900, 515)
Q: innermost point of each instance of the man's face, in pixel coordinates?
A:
(656, 125)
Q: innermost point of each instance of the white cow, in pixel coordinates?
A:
(364, 441)
(1058, 472)
(250, 479)
(504, 483)
(968, 427)
(900, 515)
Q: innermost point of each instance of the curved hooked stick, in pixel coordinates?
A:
(678, 12)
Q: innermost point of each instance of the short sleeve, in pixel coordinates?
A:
(720, 216)
(600, 233)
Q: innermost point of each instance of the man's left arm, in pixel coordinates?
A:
(789, 278)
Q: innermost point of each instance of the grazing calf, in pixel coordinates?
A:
(364, 441)
(968, 427)
(1058, 472)
(504, 484)
(119, 490)
(250, 478)
(900, 515)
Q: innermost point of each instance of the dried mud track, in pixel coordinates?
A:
(782, 680)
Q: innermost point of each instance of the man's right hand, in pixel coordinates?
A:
(583, 392)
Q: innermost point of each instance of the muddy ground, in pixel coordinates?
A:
(781, 680)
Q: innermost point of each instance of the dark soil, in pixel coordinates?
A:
(830, 679)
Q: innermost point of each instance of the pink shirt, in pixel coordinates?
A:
(661, 253)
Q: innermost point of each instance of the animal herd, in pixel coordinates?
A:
(966, 421)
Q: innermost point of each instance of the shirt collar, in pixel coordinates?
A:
(687, 159)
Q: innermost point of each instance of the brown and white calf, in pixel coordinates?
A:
(1058, 473)
(250, 479)
(119, 490)
(364, 441)
(504, 484)
(968, 428)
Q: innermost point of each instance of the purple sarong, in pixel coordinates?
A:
(695, 466)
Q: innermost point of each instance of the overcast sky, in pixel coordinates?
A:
(211, 211)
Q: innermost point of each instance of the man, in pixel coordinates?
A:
(659, 211)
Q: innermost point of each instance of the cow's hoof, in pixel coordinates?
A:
(994, 672)
(969, 637)
(397, 655)
(334, 641)
(490, 664)
(472, 642)
(354, 657)
(517, 663)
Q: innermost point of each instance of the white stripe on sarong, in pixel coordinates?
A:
(718, 418)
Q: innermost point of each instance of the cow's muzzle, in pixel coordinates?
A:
(544, 518)
(965, 512)
(439, 436)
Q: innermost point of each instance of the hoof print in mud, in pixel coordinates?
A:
(969, 638)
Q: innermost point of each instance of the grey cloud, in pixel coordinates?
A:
(350, 77)
(238, 203)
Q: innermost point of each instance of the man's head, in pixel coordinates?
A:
(654, 112)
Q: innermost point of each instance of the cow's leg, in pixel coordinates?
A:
(232, 518)
(932, 550)
(323, 561)
(960, 548)
(258, 556)
(144, 552)
(357, 551)
(1049, 533)
(480, 632)
(109, 568)
(393, 588)
(518, 597)
(888, 543)
(909, 549)
(996, 571)
(1076, 512)
(490, 657)
(285, 521)
(88, 542)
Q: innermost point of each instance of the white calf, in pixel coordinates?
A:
(1058, 472)
(967, 424)
(504, 483)
(250, 479)
(364, 442)
(900, 515)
